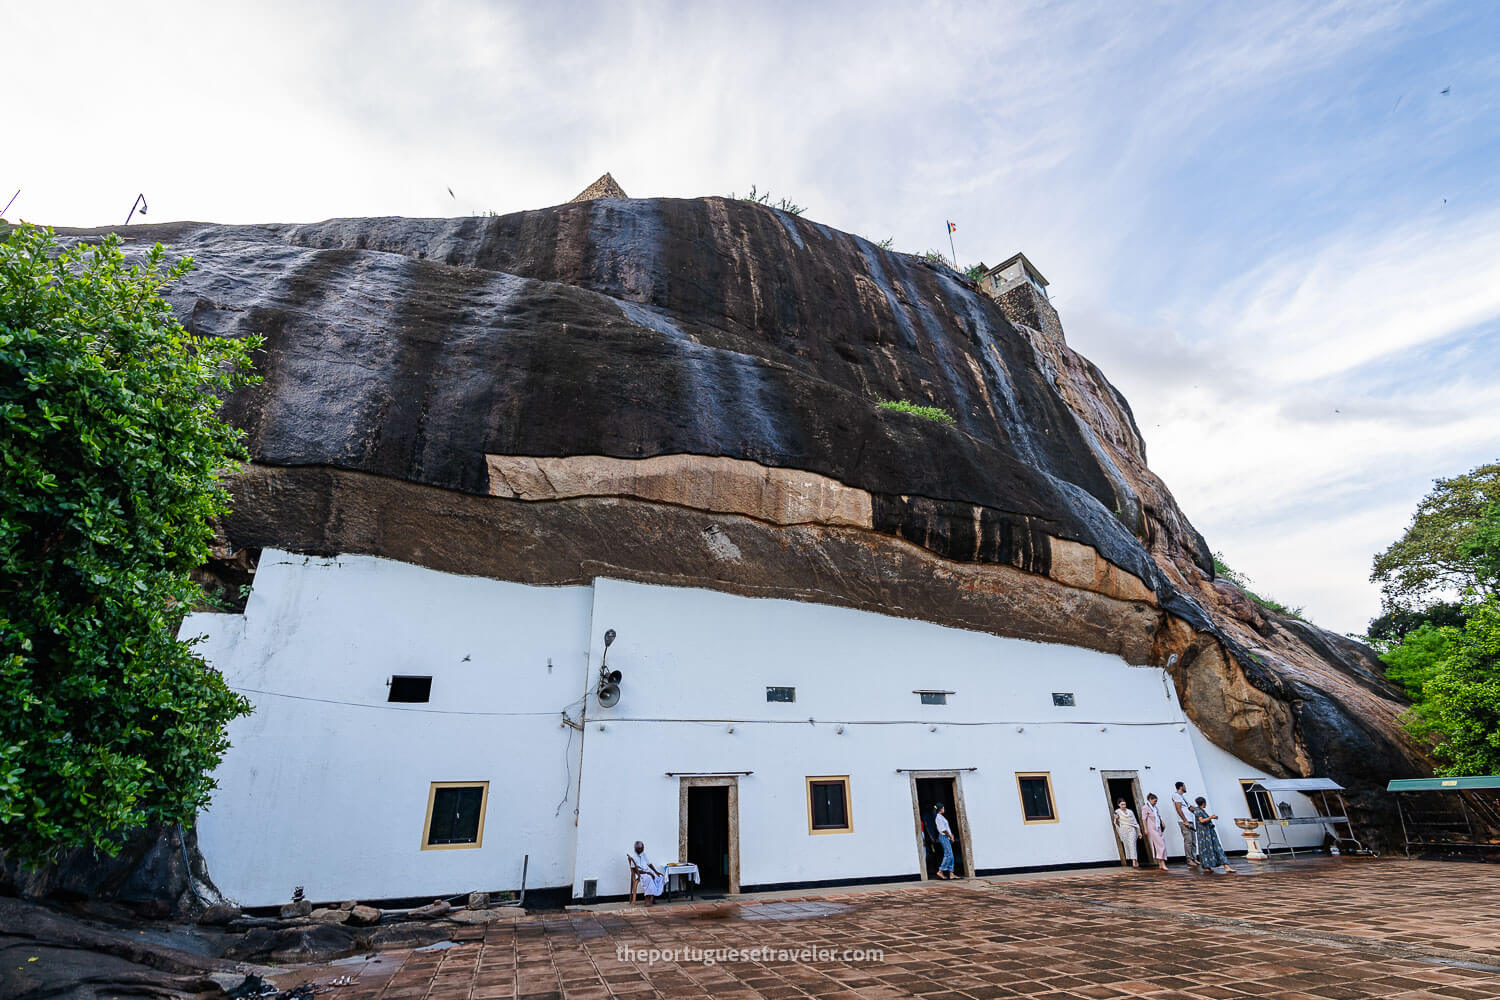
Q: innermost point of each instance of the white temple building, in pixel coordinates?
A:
(418, 734)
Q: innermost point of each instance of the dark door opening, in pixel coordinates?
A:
(930, 792)
(708, 835)
(1124, 788)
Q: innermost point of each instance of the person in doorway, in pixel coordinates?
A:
(649, 880)
(1210, 851)
(1155, 827)
(1184, 808)
(1128, 830)
(945, 840)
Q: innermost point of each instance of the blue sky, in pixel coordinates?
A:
(1267, 223)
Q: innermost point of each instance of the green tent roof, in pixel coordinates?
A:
(1443, 784)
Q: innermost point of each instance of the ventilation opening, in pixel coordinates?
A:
(1062, 699)
(781, 694)
(934, 697)
(410, 689)
(590, 888)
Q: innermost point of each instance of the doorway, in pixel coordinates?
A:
(929, 788)
(708, 831)
(1125, 785)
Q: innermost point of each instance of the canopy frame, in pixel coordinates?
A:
(1330, 820)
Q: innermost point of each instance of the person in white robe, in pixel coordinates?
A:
(650, 881)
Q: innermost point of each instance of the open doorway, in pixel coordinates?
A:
(708, 831)
(928, 790)
(1126, 785)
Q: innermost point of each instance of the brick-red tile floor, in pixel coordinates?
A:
(1338, 930)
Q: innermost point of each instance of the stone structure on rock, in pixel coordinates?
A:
(604, 187)
(681, 393)
(1022, 293)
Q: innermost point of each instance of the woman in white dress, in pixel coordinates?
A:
(1128, 830)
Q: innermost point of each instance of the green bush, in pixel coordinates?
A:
(112, 453)
(927, 412)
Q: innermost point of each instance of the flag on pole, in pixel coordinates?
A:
(952, 228)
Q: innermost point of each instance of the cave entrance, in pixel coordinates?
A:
(1126, 785)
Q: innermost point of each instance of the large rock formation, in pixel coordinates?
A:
(685, 392)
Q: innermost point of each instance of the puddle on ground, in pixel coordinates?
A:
(791, 911)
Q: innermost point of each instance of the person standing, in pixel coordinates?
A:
(1155, 827)
(1129, 832)
(945, 839)
(1184, 807)
(1210, 851)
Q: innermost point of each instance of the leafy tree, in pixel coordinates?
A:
(974, 272)
(1412, 662)
(1391, 628)
(1460, 704)
(1452, 544)
(112, 455)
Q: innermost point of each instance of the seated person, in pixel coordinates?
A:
(652, 883)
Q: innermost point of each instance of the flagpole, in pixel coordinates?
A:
(950, 246)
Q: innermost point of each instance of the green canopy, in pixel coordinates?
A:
(1443, 784)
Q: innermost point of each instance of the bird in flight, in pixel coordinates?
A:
(452, 195)
(1445, 90)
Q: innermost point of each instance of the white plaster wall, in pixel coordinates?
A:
(1222, 772)
(697, 663)
(326, 784)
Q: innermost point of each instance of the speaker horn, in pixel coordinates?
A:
(611, 677)
(609, 694)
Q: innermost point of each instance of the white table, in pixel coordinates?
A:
(685, 870)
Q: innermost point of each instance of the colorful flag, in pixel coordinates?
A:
(952, 228)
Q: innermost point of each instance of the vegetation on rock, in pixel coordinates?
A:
(1240, 580)
(916, 410)
(764, 198)
(113, 455)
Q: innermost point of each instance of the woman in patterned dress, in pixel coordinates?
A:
(1210, 851)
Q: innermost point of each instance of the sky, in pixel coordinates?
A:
(1274, 226)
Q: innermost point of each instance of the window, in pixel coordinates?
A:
(1257, 803)
(934, 697)
(455, 815)
(781, 694)
(828, 805)
(1062, 699)
(1036, 797)
(411, 689)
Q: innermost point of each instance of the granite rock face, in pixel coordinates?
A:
(685, 392)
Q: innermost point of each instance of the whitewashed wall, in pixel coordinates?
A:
(697, 664)
(327, 784)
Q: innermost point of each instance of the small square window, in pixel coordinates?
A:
(934, 697)
(1036, 797)
(455, 815)
(828, 805)
(781, 694)
(409, 689)
(1062, 699)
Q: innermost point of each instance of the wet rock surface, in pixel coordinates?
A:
(450, 391)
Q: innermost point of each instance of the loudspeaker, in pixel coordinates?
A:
(609, 695)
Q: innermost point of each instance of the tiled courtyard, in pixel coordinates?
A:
(1330, 929)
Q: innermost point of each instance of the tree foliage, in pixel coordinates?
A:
(1451, 545)
(1458, 707)
(112, 455)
